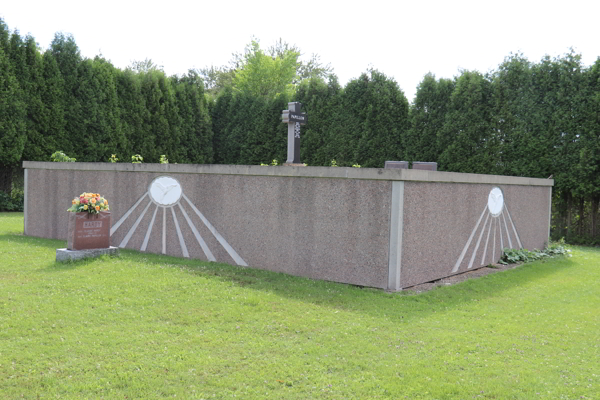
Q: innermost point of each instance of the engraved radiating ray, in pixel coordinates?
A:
(209, 255)
(494, 251)
(181, 241)
(513, 226)
(166, 192)
(164, 231)
(464, 251)
(134, 227)
(487, 240)
(478, 241)
(501, 240)
(147, 237)
(497, 213)
(217, 235)
(507, 234)
(124, 217)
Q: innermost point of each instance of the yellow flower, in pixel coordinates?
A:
(97, 208)
(93, 201)
(85, 207)
(74, 201)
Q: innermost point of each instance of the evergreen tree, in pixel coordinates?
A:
(219, 121)
(427, 117)
(4, 38)
(28, 67)
(161, 134)
(376, 120)
(52, 126)
(468, 135)
(322, 102)
(514, 111)
(133, 113)
(588, 169)
(264, 136)
(97, 93)
(13, 110)
(66, 53)
(196, 131)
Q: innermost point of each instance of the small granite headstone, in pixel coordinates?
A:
(396, 165)
(88, 231)
(428, 166)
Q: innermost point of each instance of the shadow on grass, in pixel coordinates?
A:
(400, 306)
(48, 245)
(35, 241)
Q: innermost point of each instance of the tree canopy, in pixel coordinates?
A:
(524, 118)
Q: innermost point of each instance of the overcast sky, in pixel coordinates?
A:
(404, 40)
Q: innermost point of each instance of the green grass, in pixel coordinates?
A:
(151, 327)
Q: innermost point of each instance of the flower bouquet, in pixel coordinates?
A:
(91, 203)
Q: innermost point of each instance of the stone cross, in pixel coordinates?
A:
(294, 118)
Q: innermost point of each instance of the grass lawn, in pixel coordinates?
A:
(143, 326)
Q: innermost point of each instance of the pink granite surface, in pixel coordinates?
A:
(439, 218)
(332, 229)
(332, 225)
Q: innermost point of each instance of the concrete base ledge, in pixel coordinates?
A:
(67, 255)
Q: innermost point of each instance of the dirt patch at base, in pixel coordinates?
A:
(454, 279)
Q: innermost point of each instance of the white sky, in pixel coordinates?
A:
(403, 39)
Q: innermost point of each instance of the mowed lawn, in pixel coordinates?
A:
(152, 327)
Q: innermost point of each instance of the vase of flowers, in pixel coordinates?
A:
(89, 222)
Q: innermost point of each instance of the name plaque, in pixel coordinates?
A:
(297, 117)
(92, 224)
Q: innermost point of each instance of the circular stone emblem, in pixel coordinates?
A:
(165, 191)
(495, 201)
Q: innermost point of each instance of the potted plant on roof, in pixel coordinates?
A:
(89, 222)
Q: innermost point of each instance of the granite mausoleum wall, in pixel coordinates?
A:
(388, 229)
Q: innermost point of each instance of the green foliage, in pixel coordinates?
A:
(195, 124)
(512, 256)
(67, 56)
(161, 129)
(53, 97)
(323, 137)
(264, 73)
(375, 120)
(427, 117)
(11, 201)
(264, 76)
(60, 156)
(216, 78)
(113, 158)
(28, 68)
(13, 111)
(163, 159)
(467, 135)
(145, 66)
(137, 159)
(524, 118)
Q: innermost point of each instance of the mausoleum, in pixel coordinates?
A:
(384, 228)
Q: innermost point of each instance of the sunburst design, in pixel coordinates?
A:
(165, 193)
(495, 213)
